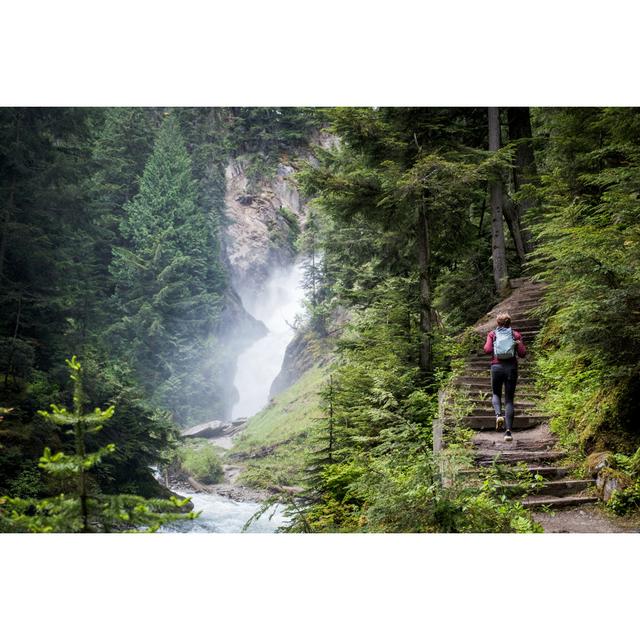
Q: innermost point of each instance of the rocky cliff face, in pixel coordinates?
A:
(264, 216)
(263, 221)
(308, 349)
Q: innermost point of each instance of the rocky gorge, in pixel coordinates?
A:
(264, 215)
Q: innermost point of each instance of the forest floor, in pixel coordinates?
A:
(589, 518)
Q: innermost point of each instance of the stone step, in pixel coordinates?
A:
(528, 333)
(475, 368)
(550, 472)
(526, 324)
(523, 402)
(530, 293)
(480, 356)
(555, 502)
(524, 440)
(489, 411)
(523, 325)
(551, 488)
(486, 381)
(483, 423)
(520, 405)
(481, 391)
(485, 457)
(519, 310)
(484, 360)
(515, 283)
(480, 352)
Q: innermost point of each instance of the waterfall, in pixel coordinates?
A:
(277, 307)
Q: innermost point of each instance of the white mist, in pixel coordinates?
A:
(258, 366)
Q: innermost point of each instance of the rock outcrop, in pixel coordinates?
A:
(262, 223)
(216, 431)
(307, 349)
(298, 358)
(236, 324)
(211, 429)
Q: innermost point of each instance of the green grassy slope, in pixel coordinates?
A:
(277, 436)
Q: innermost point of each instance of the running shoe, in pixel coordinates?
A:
(508, 437)
(499, 423)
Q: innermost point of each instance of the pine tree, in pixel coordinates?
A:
(167, 290)
(83, 510)
(406, 177)
(588, 254)
(122, 143)
(524, 173)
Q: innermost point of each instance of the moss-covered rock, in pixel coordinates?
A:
(610, 480)
(596, 462)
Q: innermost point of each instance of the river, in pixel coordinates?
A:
(221, 515)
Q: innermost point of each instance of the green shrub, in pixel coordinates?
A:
(201, 460)
(625, 500)
(410, 498)
(627, 468)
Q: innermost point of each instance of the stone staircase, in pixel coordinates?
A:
(533, 443)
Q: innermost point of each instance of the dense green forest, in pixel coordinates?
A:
(111, 250)
(420, 228)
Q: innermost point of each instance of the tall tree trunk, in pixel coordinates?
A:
(524, 172)
(82, 477)
(6, 218)
(424, 266)
(512, 217)
(13, 344)
(498, 251)
(484, 206)
(331, 436)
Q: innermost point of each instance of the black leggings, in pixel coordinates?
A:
(504, 373)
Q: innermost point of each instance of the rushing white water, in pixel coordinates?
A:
(259, 364)
(221, 515)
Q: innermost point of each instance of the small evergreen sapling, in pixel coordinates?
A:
(84, 510)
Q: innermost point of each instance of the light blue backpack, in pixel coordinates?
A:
(504, 345)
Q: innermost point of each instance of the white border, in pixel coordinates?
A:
(288, 52)
(338, 52)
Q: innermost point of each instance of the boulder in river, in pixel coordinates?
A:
(213, 429)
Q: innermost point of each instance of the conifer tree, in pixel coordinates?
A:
(406, 176)
(122, 143)
(166, 285)
(83, 509)
(524, 173)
